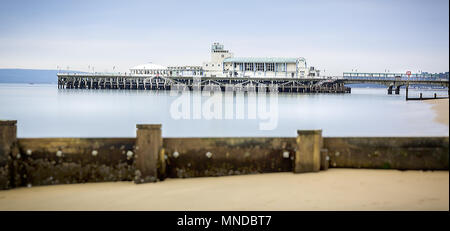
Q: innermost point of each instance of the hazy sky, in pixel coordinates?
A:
(334, 36)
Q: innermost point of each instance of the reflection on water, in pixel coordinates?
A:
(45, 111)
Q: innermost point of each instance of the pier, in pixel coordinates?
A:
(335, 84)
(394, 81)
(394, 84)
(139, 82)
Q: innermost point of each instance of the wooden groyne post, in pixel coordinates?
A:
(8, 138)
(149, 144)
(308, 154)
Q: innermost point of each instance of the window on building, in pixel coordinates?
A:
(248, 66)
(260, 67)
(270, 67)
(281, 67)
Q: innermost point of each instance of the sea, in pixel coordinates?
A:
(43, 110)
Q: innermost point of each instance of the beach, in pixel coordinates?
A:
(441, 107)
(335, 189)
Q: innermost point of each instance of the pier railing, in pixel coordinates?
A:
(412, 79)
(149, 157)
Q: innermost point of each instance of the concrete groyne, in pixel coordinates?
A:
(149, 157)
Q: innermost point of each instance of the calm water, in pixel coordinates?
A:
(45, 111)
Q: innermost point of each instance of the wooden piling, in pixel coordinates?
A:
(324, 159)
(307, 156)
(148, 148)
(8, 138)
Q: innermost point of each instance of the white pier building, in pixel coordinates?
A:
(149, 69)
(224, 64)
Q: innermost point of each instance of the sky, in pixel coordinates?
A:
(334, 36)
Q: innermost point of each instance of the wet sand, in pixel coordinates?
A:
(440, 106)
(335, 189)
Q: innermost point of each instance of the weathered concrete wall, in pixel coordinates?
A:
(404, 153)
(73, 160)
(195, 157)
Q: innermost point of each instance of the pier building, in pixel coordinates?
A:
(265, 67)
(214, 67)
(149, 69)
(224, 64)
(185, 71)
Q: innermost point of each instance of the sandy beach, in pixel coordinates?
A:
(440, 106)
(335, 189)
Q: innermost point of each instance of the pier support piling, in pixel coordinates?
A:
(390, 90)
(309, 145)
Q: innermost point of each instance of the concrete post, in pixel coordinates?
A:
(148, 148)
(8, 136)
(307, 157)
